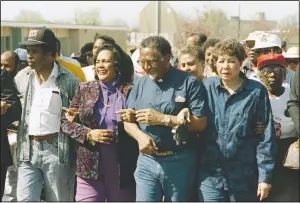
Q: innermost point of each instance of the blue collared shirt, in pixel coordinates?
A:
(233, 156)
(176, 91)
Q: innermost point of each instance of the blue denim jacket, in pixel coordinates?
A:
(67, 83)
(233, 156)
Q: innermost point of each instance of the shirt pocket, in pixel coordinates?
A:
(176, 103)
(52, 102)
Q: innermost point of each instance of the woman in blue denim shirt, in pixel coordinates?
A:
(236, 162)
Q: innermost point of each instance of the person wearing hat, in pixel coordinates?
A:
(22, 53)
(249, 63)
(270, 43)
(285, 185)
(45, 154)
(292, 58)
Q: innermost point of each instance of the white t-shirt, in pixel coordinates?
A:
(284, 125)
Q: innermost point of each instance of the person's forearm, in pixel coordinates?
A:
(133, 130)
(197, 124)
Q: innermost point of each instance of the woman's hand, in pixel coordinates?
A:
(71, 113)
(127, 115)
(102, 136)
(183, 115)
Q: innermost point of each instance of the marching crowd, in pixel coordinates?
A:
(212, 122)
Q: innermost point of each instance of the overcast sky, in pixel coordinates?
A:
(129, 10)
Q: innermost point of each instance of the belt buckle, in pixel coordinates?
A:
(166, 153)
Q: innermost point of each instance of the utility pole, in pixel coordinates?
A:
(158, 17)
(239, 22)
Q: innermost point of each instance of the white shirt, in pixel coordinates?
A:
(89, 72)
(44, 117)
(69, 59)
(284, 125)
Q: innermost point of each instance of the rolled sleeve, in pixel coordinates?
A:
(266, 149)
(131, 100)
(197, 98)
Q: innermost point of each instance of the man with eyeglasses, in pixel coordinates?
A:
(266, 44)
(164, 167)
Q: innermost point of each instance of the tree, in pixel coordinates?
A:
(30, 16)
(289, 29)
(89, 17)
(118, 22)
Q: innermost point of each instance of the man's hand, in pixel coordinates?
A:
(149, 116)
(263, 190)
(147, 144)
(102, 136)
(259, 128)
(183, 115)
(127, 115)
(71, 113)
(4, 107)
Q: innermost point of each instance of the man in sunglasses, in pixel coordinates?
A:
(292, 58)
(270, 44)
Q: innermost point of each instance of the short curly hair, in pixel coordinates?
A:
(160, 44)
(210, 43)
(230, 47)
(194, 51)
(123, 65)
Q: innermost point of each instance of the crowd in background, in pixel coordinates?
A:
(211, 122)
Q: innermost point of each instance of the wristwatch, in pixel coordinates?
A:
(167, 120)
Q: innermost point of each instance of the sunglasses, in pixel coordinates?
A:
(292, 61)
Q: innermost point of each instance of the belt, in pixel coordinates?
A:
(169, 152)
(47, 137)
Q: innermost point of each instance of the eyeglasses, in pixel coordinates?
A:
(292, 61)
(151, 62)
(277, 69)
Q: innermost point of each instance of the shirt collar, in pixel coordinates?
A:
(54, 72)
(245, 85)
(167, 75)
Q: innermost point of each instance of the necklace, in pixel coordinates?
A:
(110, 105)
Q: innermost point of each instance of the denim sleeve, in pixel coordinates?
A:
(197, 98)
(131, 100)
(266, 149)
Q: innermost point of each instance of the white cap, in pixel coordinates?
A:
(254, 35)
(137, 67)
(292, 52)
(266, 41)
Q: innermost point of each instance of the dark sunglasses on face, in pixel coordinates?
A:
(292, 61)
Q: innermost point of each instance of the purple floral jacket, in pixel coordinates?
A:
(87, 94)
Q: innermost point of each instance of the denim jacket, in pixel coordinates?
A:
(67, 83)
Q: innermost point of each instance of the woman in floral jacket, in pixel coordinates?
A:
(106, 157)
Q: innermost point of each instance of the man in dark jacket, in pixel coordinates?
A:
(10, 112)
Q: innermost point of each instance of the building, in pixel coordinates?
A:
(72, 37)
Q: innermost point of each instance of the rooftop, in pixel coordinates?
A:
(61, 26)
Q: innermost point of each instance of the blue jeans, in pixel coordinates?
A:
(170, 176)
(44, 168)
(209, 194)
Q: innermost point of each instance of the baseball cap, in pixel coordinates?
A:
(76, 55)
(22, 53)
(267, 59)
(292, 52)
(40, 35)
(266, 40)
(254, 35)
